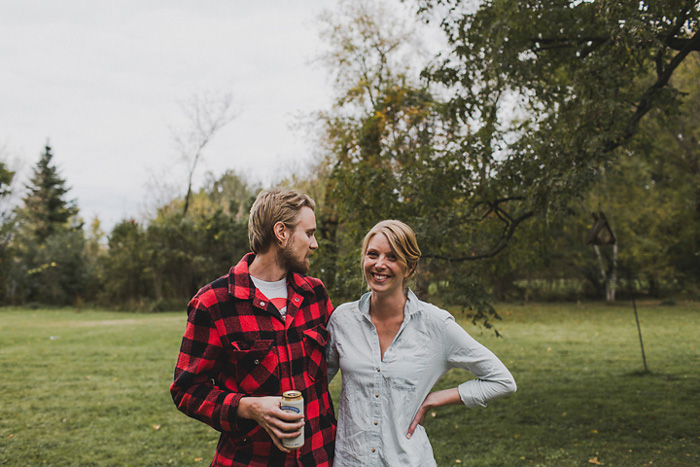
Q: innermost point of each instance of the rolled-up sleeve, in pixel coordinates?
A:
(493, 380)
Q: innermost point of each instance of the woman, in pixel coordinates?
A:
(391, 349)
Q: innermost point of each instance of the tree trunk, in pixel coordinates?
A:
(603, 270)
(609, 275)
(611, 285)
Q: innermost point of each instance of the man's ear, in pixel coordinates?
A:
(281, 234)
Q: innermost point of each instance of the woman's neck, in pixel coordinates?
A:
(384, 306)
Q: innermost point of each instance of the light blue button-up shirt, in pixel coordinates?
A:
(379, 397)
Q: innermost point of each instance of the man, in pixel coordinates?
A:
(256, 332)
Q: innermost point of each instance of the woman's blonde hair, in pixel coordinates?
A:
(402, 241)
(271, 207)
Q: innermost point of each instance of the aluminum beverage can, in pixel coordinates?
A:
(292, 401)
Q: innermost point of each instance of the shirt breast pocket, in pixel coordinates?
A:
(256, 366)
(315, 341)
(404, 372)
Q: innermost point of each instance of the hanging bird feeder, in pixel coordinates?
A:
(600, 233)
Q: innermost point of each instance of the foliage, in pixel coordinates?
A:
(47, 242)
(394, 152)
(671, 152)
(6, 177)
(579, 77)
(6, 224)
(45, 209)
(161, 264)
(124, 265)
(648, 196)
(531, 117)
(531, 106)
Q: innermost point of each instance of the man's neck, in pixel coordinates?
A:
(266, 267)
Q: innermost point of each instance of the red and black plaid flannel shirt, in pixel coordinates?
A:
(236, 345)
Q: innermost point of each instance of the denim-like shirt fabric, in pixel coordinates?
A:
(379, 398)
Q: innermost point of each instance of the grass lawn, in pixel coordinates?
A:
(91, 388)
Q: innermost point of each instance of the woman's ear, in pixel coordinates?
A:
(281, 234)
(410, 271)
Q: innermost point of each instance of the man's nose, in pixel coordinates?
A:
(314, 243)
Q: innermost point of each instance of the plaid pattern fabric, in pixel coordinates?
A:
(236, 345)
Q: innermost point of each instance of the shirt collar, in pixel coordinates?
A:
(241, 286)
(412, 306)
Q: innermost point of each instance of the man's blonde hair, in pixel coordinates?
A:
(271, 207)
(402, 241)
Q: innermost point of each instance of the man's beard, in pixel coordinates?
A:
(287, 260)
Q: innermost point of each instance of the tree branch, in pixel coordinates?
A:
(645, 103)
(508, 232)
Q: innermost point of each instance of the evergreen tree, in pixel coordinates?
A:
(48, 245)
(45, 209)
(6, 177)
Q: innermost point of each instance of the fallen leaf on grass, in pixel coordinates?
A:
(594, 461)
(198, 459)
(156, 427)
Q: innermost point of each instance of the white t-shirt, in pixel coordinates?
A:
(275, 291)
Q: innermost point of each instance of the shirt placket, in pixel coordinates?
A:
(377, 388)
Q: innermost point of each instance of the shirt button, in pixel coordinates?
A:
(376, 422)
(379, 370)
(376, 395)
(373, 449)
(296, 299)
(256, 361)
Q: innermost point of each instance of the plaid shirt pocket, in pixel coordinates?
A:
(256, 366)
(315, 341)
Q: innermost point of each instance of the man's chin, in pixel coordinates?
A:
(302, 268)
(299, 267)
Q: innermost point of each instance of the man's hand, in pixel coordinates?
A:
(278, 423)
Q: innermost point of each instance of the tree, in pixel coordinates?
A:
(124, 266)
(576, 78)
(6, 224)
(47, 242)
(45, 208)
(392, 154)
(160, 264)
(367, 50)
(6, 177)
(207, 114)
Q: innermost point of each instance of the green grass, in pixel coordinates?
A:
(582, 395)
(91, 388)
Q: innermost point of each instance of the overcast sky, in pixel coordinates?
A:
(103, 82)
